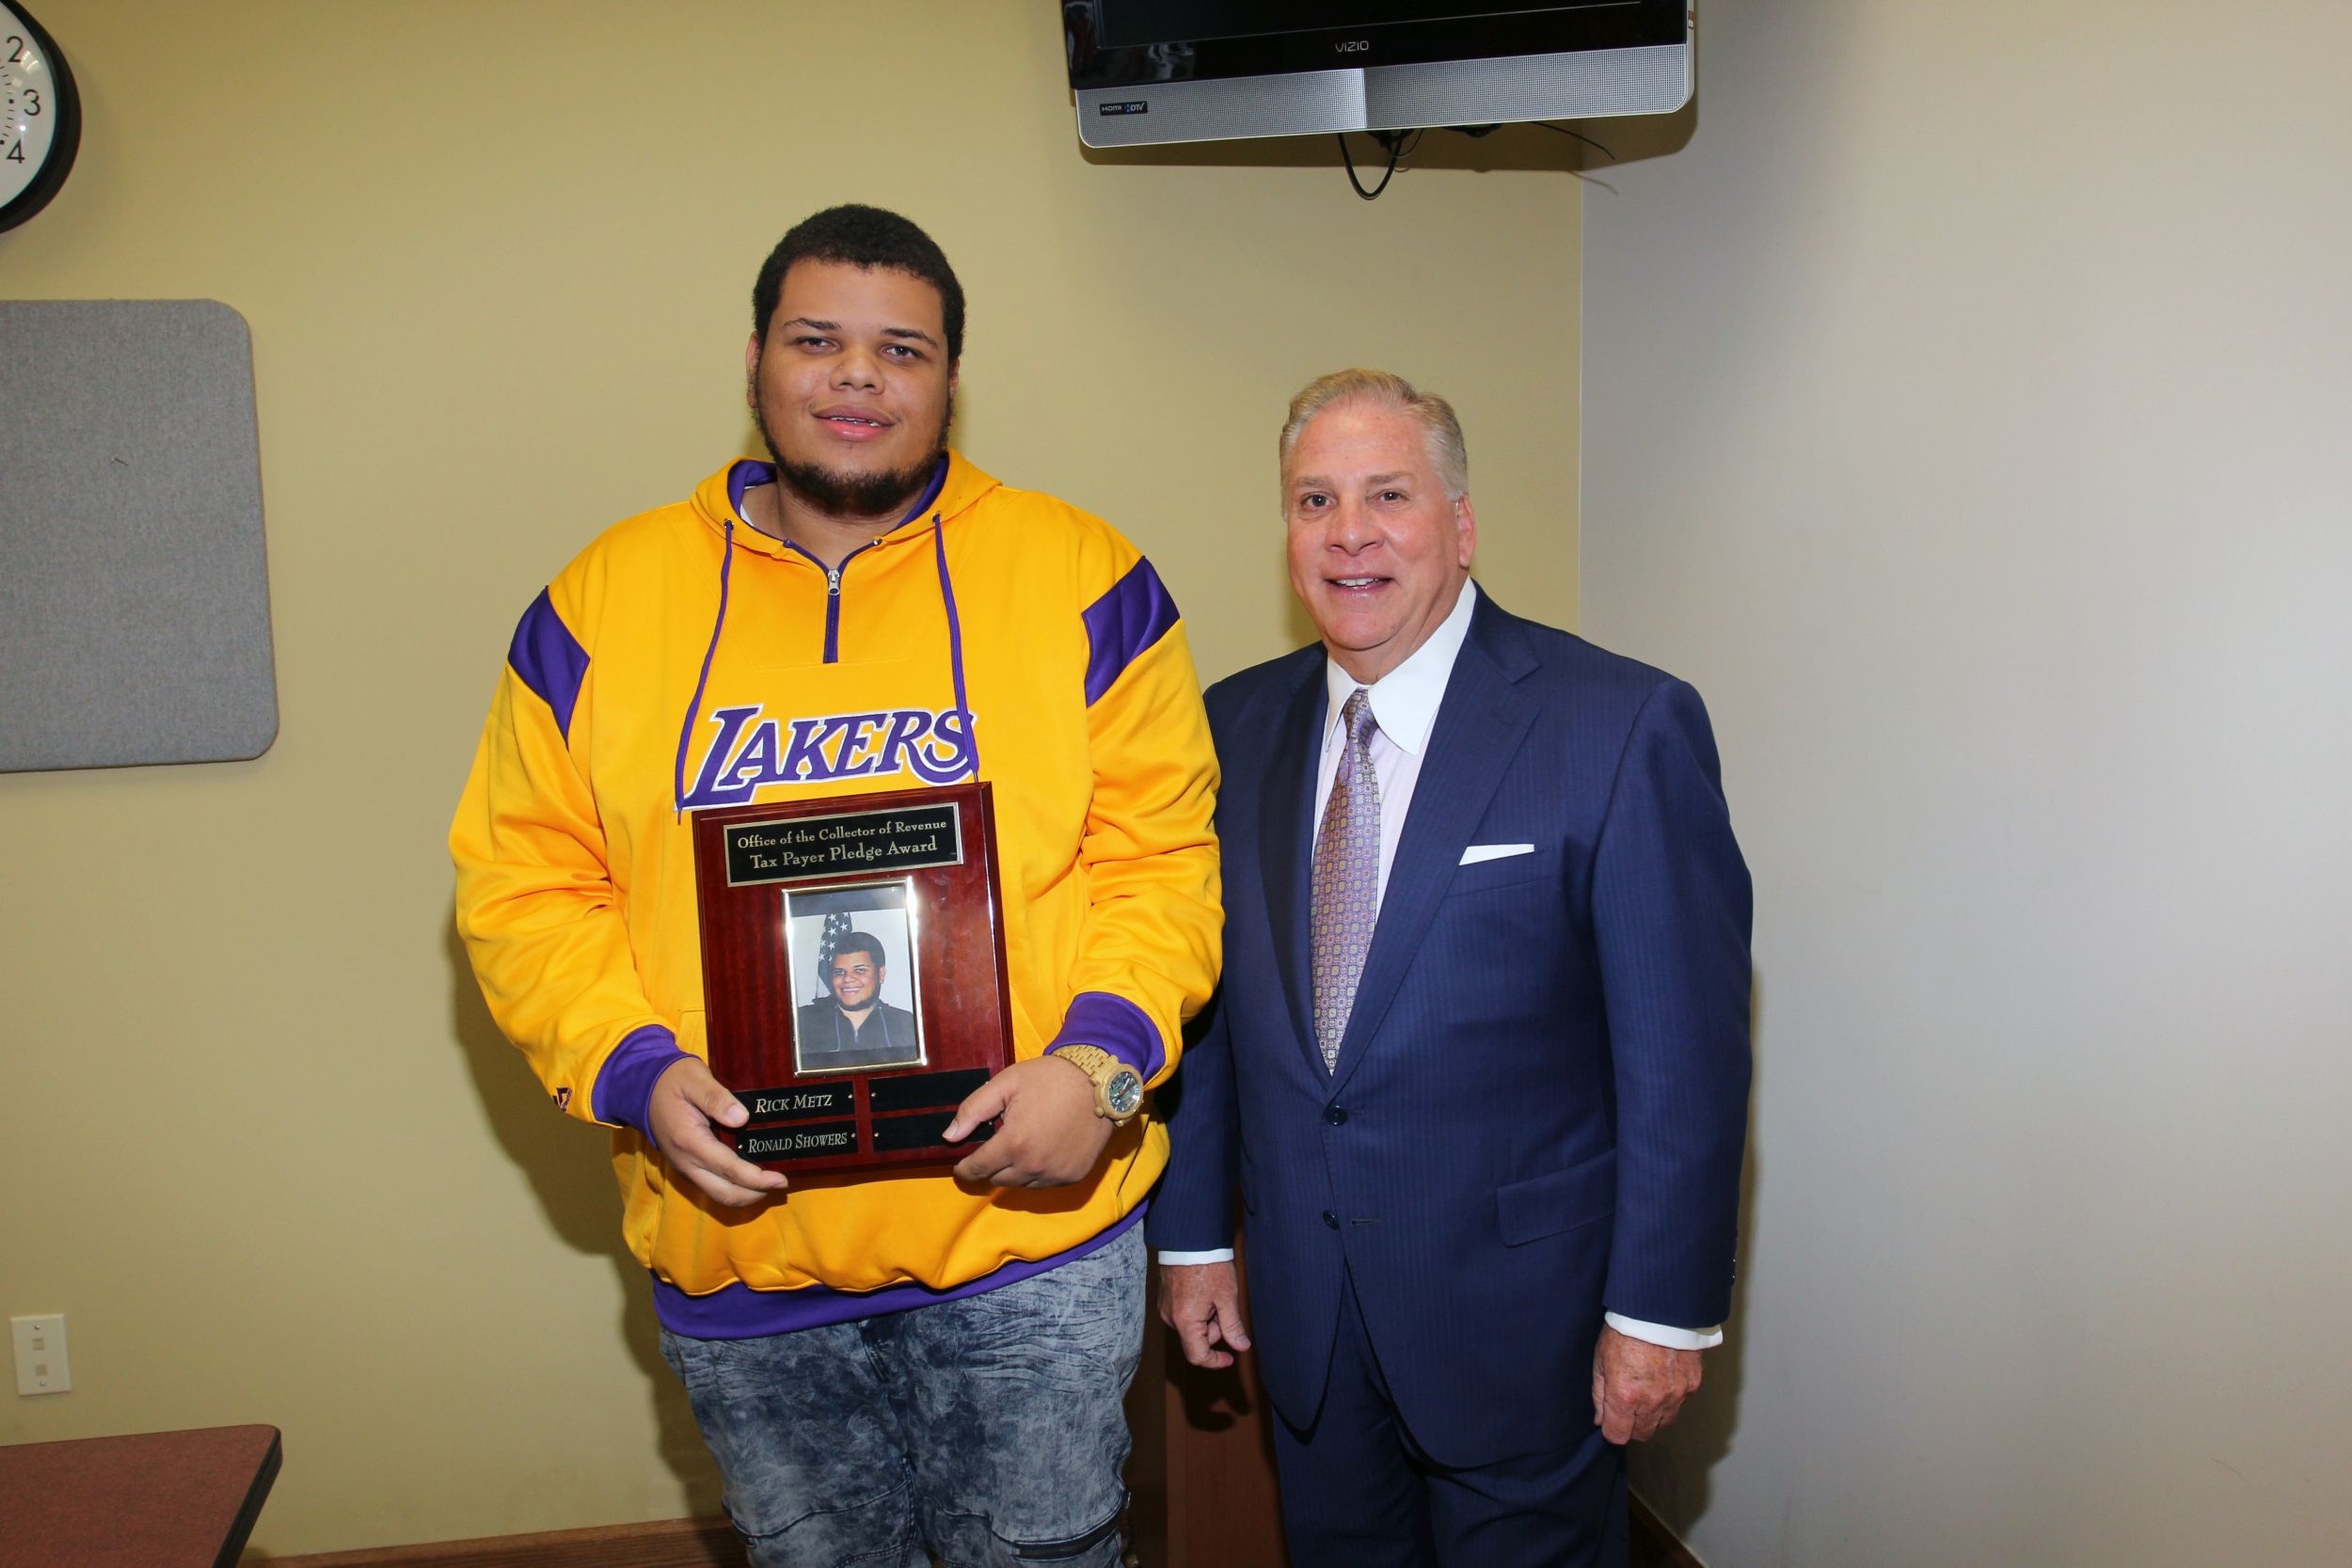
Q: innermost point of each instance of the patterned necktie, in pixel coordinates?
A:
(1348, 879)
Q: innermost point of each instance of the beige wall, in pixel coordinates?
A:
(1964, 414)
(263, 1145)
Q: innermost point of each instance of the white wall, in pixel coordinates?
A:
(1965, 413)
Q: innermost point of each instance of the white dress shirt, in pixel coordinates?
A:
(1405, 707)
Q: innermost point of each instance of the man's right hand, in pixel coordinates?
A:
(686, 1100)
(1202, 1302)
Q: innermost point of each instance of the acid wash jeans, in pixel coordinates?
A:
(989, 1430)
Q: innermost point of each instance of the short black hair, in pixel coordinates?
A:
(862, 237)
(858, 942)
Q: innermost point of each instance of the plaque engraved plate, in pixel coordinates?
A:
(853, 972)
(769, 1144)
(920, 1130)
(801, 1103)
(923, 1091)
(785, 849)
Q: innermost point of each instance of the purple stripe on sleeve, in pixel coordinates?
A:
(1122, 624)
(1116, 1024)
(740, 1312)
(549, 659)
(625, 1083)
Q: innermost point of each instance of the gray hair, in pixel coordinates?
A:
(1448, 454)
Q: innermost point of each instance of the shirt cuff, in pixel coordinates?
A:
(1193, 1260)
(623, 1088)
(1116, 1024)
(1661, 1334)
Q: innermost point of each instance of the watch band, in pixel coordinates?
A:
(1107, 1071)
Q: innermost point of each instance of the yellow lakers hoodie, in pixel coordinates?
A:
(686, 661)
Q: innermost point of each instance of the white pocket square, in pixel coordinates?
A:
(1477, 852)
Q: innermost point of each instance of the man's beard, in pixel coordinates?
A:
(839, 494)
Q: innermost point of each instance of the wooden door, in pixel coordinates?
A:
(1203, 1467)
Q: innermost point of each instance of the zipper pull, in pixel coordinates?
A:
(833, 581)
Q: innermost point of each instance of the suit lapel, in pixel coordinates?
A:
(1286, 839)
(1481, 723)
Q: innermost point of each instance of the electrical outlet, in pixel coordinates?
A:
(41, 1363)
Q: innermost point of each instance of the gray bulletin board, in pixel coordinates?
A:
(134, 586)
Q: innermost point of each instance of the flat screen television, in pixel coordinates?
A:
(1169, 71)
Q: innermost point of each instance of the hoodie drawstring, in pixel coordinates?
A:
(955, 641)
(686, 730)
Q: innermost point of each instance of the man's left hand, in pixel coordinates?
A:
(1638, 1388)
(1049, 1136)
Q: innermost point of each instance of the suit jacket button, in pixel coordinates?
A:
(1330, 1219)
(1334, 1114)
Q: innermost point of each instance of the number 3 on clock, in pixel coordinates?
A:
(40, 116)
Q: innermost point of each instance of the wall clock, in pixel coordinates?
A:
(41, 117)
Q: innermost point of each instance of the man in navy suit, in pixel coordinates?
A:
(1479, 1065)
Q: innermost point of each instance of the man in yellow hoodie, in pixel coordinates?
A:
(888, 1365)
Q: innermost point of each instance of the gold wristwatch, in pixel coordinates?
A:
(1118, 1087)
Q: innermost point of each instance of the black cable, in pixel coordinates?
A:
(1404, 144)
(1393, 141)
(1579, 136)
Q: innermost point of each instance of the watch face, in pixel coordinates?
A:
(41, 121)
(1124, 1092)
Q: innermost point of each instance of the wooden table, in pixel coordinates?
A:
(162, 1499)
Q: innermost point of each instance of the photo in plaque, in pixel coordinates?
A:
(855, 984)
(854, 961)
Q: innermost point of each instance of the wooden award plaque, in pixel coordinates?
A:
(854, 972)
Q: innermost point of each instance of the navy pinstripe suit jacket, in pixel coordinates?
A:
(1540, 1103)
